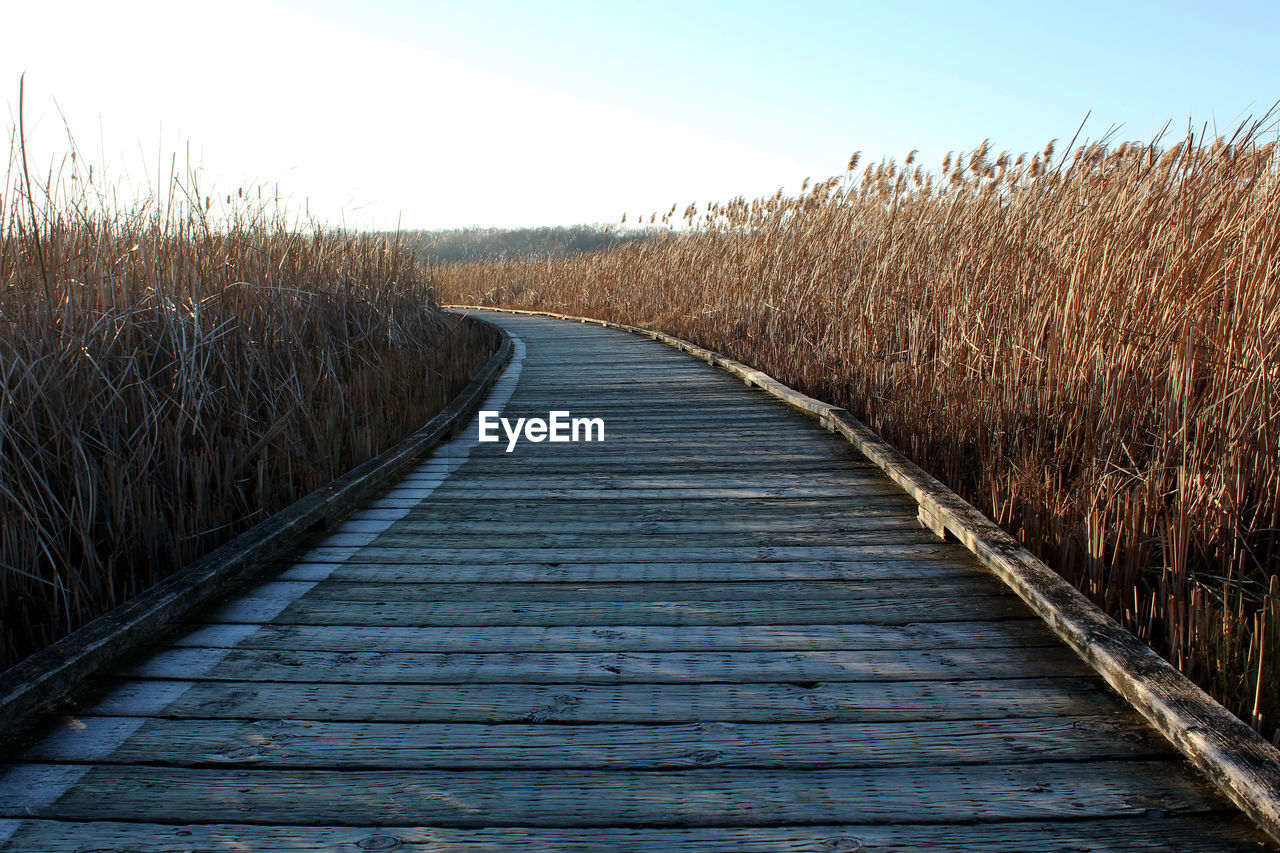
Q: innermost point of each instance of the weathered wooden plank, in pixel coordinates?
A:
(1018, 633)
(614, 363)
(886, 571)
(834, 530)
(637, 443)
(618, 402)
(609, 667)
(614, 403)
(636, 436)
(726, 421)
(1206, 833)
(781, 509)
(895, 611)
(412, 746)
(625, 798)
(518, 492)
(616, 369)
(620, 460)
(634, 450)
(601, 396)
(618, 464)
(693, 433)
(622, 430)
(541, 387)
(766, 505)
(778, 511)
(764, 553)
(597, 475)
(619, 703)
(532, 479)
(641, 403)
(406, 536)
(582, 594)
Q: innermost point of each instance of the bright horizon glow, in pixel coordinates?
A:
(436, 114)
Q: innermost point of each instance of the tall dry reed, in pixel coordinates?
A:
(175, 370)
(1086, 347)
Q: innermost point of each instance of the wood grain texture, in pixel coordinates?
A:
(835, 701)
(901, 610)
(645, 591)
(1237, 759)
(1022, 633)
(356, 571)
(1212, 833)
(405, 536)
(831, 510)
(665, 554)
(590, 798)
(409, 746)
(572, 668)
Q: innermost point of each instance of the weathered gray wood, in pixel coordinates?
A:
(676, 436)
(574, 593)
(1206, 833)
(635, 443)
(411, 746)
(1018, 633)
(612, 667)
(777, 510)
(405, 536)
(588, 798)
(768, 507)
(612, 493)
(616, 465)
(895, 611)
(668, 554)
(831, 528)
(765, 424)
(1240, 762)
(886, 571)
(867, 701)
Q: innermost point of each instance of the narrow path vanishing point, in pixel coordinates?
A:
(721, 629)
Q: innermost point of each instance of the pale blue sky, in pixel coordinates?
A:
(817, 80)
(501, 112)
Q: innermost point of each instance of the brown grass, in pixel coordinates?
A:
(1087, 348)
(173, 371)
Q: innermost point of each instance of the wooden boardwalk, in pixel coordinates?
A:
(720, 629)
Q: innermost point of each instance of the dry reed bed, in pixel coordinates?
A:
(1087, 348)
(170, 375)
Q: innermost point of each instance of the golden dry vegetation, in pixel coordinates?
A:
(1085, 346)
(173, 371)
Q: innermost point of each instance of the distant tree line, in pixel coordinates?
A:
(477, 244)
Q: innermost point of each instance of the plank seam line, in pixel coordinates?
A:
(1241, 763)
(38, 786)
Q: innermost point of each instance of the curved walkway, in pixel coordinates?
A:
(718, 629)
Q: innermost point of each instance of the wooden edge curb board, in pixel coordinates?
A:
(60, 668)
(1239, 761)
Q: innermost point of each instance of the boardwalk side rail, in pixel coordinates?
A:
(61, 667)
(1233, 756)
